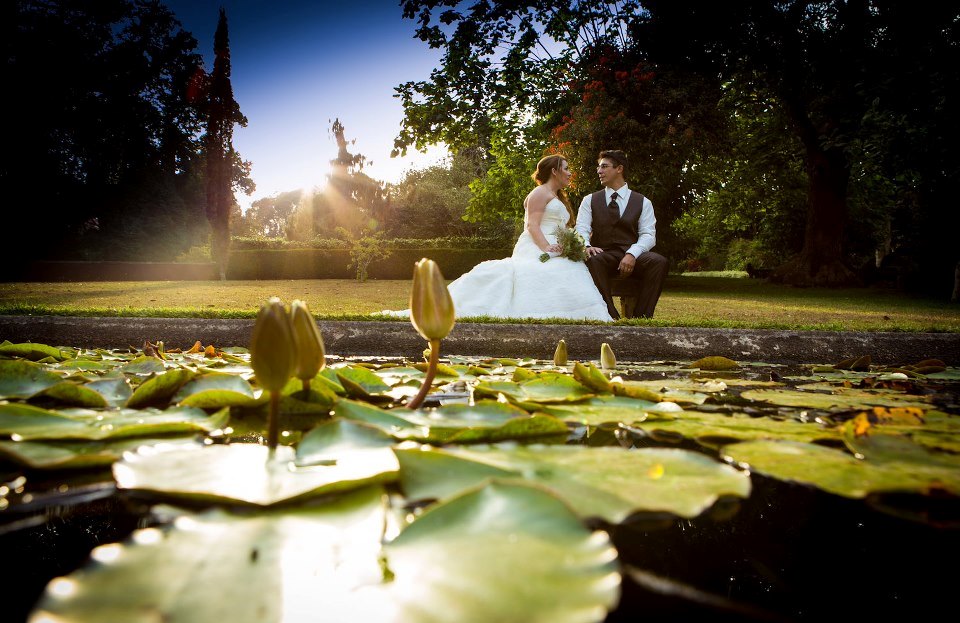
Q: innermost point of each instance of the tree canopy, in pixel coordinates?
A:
(719, 106)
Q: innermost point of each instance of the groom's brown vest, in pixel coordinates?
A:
(620, 234)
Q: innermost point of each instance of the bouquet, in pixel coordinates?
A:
(572, 245)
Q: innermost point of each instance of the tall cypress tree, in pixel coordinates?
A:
(222, 112)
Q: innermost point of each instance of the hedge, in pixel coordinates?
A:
(333, 263)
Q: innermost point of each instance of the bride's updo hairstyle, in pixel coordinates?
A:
(545, 169)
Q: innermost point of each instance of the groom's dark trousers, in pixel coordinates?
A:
(616, 235)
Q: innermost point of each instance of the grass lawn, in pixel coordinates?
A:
(692, 301)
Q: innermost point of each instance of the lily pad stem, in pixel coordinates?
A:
(428, 380)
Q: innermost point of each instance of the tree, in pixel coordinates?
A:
(100, 110)
(222, 113)
(823, 66)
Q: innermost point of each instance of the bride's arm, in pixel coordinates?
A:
(536, 205)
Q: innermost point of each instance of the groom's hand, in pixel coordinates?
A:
(627, 264)
(591, 251)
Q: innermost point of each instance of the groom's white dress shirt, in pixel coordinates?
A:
(646, 227)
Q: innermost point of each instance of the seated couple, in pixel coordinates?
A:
(621, 229)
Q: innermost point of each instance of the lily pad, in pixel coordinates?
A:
(485, 421)
(72, 454)
(75, 394)
(32, 351)
(603, 409)
(360, 382)
(838, 471)
(327, 442)
(159, 389)
(716, 429)
(247, 473)
(27, 422)
(841, 399)
(215, 390)
(142, 366)
(605, 482)
(465, 559)
(23, 379)
(296, 564)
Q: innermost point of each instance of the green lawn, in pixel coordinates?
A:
(686, 301)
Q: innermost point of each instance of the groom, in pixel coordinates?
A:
(621, 228)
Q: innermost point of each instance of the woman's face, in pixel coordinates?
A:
(563, 174)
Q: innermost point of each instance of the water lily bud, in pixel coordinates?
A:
(306, 335)
(607, 360)
(560, 355)
(272, 350)
(431, 308)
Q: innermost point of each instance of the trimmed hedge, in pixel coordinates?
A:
(333, 263)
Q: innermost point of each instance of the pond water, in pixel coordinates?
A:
(831, 493)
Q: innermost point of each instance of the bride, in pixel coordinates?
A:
(521, 286)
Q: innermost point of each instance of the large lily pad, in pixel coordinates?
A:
(485, 421)
(72, 454)
(32, 351)
(159, 389)
(247, 473)
(215, 390)
(297, 564)
(715, 429)
(840, 399)
(840, 472)
(26, 422)
(502, 553)
(360, 382)
(23, 379)
(606, 482)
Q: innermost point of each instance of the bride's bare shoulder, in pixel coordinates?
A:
(538, 197)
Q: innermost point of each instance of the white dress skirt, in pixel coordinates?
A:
(521, 286)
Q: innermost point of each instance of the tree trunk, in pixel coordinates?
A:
(820, 263)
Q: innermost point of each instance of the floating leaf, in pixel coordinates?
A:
(485, 421)
(360, 382)
(715, 429)
(842, 399)
(500, 533)
(75, 394)
(601, 482)
(159, 389)
(840, 472)
(33, 352)
(143, 366)
(602, 409)
(28, 422)
(115, 391)
(247, 473)
(23, 379)
(215, 390)
(72, 454)
(363, 412)
(327, 442)
(296, 564)
(714, 363)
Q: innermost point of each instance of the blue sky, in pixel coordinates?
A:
(297, 65)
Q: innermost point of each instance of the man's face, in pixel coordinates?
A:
(608, 171)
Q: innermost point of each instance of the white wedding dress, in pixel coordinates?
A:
(521, 286)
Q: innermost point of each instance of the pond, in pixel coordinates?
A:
(135, 484)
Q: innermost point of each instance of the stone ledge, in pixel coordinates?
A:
(398, 338)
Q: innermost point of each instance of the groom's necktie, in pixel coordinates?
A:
(614, 208)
